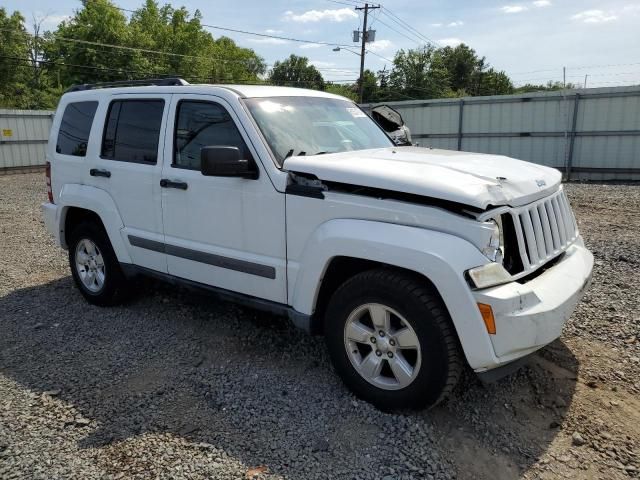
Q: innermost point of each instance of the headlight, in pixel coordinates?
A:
(488, 275)
(493, 273)
(494, 250)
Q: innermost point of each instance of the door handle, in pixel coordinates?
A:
(166, 183)
(96, 172)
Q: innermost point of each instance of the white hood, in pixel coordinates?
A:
(473, 179)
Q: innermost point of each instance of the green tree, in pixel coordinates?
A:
(470, 74)
(296, 72)
(430, 72)
(192, 52)
(345, 90)
(463, 66)
(231, 63)
(14, 58)
(418, 73)
(73, 47)
(370, 92)
(550, 86)
(157, 41)
(493, 82)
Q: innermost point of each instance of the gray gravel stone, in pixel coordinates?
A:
(176, 385)
(577, 439)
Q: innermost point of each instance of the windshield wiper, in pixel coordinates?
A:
(320, 153)
(290, 153)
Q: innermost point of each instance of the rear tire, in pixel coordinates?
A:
(392, 341)
(94, 265)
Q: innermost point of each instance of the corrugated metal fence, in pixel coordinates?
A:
(591, 134)
(23, 138)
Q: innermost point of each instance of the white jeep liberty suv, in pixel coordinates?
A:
(410, 261)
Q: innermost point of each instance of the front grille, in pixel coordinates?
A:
(544, 229)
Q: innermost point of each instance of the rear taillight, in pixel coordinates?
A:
(47, 172)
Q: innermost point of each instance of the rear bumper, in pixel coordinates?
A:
(531, 315)
(50, 214)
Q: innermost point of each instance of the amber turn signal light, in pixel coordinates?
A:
(487, 316)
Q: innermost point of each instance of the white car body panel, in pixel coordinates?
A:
(233, 218)
(441, 257)
(461, 177)
(254, 223)
(90, 198)
(532, 315)
(134, 187)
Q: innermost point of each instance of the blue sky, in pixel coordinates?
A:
(531, 40)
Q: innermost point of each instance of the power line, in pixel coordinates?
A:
(182, 55)
(624, 82)
(146, 73)
(607, 74)
(556, 78)
(580, 67)
(353, 4)
(399, 21)
(386, 89)
(380, 56)
(415, 39)
(265, 35)
(135, 49)
(392, 16)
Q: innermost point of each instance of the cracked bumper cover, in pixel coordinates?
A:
(531, 315)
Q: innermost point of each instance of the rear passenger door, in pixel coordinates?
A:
(128, 166)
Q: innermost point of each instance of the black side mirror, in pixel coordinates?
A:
(224, 161)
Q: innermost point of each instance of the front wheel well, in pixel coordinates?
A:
(339, 271)
(75, 216)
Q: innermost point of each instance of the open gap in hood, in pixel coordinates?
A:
(309, 185)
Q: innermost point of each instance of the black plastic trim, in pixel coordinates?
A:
(160, 82)
(305, 191)
(146, 244)
(300, 320)
(27, 142)
(250, 176)
(166, 183)
(228, 263)
(497, 373)
(384, 194)
(106, 120)
(98, 172)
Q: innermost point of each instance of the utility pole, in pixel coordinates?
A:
(365, 38)
(585, 80)
(564, 77)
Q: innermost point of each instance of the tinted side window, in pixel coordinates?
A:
(75, 127)
(132, 131)
(203, 124)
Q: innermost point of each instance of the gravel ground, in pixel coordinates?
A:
(173, 385)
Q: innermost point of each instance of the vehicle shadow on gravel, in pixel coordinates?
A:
(497, 431)
(251, 386)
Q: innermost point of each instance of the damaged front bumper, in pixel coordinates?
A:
(531, 315)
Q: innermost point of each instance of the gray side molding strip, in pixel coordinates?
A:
(146, 244)
(228, 263)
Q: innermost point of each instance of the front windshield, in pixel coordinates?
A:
(314, 125)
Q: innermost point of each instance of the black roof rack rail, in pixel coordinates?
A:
(161, 82)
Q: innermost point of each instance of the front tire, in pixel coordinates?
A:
(391, 340)
(94, 266)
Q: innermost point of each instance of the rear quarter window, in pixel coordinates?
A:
(73, 135)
